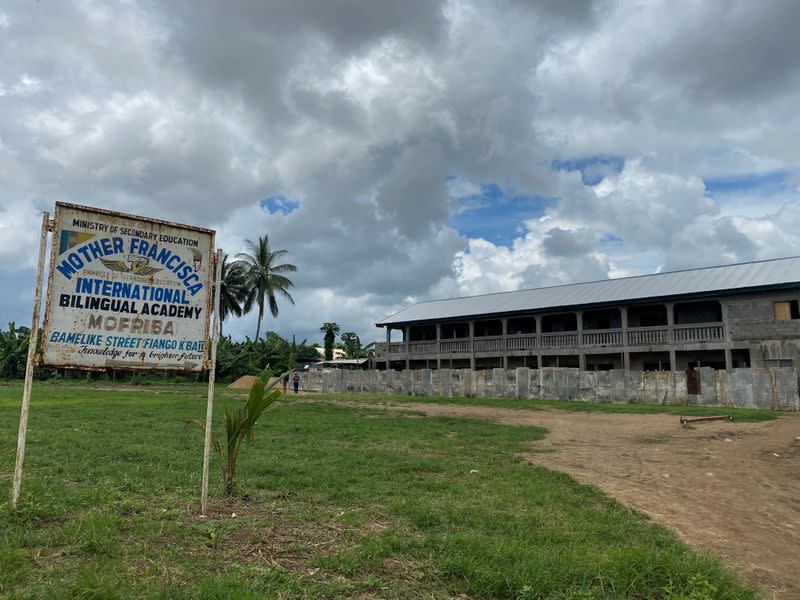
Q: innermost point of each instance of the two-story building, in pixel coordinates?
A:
(729, 316)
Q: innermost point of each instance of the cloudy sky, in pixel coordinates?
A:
(403, 151)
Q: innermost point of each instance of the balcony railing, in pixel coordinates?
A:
(637, 336)
(521, 342)
(648, 336)
(457, 345)
(482, 344)
(558, 340)
(603, 338)
(699, 334)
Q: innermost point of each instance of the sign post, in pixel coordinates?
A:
(26, 390)
(211, 378)
(123, 292)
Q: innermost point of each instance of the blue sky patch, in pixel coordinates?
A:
(609, 239)
(281, 204)
(762, 184)
(593, 168)
(495, 216)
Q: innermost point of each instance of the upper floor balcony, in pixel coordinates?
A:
(658, 326)
(585, 341)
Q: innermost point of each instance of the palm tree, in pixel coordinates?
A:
(265, 279)
(330, 330)
(239, 425)
(233, 289)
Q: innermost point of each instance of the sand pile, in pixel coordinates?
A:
(245, 382)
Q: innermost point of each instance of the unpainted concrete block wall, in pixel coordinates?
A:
(775, 389)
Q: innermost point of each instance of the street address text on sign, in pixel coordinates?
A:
(127, 292)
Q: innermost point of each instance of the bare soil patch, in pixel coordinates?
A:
(245, 382)
(732, 489)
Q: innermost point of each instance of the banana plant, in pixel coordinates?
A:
(13, 352)
(239, 425)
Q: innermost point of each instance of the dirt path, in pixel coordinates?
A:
(728, 488)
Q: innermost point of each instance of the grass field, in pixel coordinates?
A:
(333, 502)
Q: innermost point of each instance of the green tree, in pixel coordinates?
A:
(353, 348)
(265, 277)
(352, 345)
(13, 351)
(330, 330)
(233, 288)
(306, 353)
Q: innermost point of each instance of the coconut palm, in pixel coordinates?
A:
(265, 278)
(330, 330)
(353, 348)
(239, 425)
(233, 290)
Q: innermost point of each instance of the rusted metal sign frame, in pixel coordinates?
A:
(209, 363)
(205, 362)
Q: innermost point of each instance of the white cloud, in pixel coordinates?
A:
(20, 226)
(26, 85)
(378, 117)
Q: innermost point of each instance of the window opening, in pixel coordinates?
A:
(786, 310)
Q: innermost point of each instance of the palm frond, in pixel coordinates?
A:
(201, 425)
(285, 268)
(240, 423)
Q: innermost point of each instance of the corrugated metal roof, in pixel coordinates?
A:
(343, 361)
(765, 273)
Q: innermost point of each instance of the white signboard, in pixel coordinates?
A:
(127, 292)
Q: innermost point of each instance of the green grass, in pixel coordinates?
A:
(333, 502)
(739, 414)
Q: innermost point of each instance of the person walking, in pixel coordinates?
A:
(296, 382)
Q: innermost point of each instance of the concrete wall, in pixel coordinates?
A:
(752, 324)
(775, 389)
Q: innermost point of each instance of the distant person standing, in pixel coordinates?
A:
(285, 382)
(296, 382)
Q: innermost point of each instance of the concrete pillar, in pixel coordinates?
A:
(471, 344)
(581, 353)
(626, 353)
(504, 333)
(438, 346)
(388, 346)
(726, 335)
(538, 340)
(673, 362)
(670, 321)
(406, 339)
